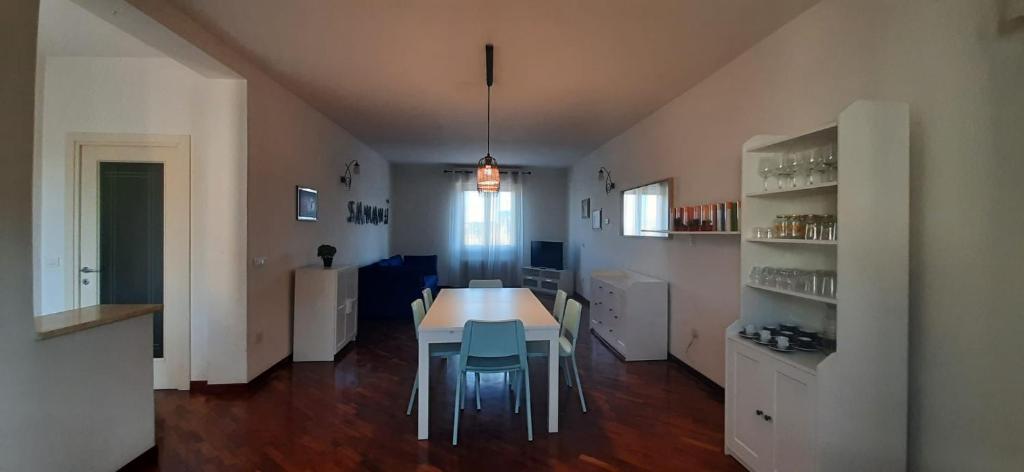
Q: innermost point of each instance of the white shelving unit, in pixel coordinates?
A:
(845, 410)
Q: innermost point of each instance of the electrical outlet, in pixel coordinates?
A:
(259, 261)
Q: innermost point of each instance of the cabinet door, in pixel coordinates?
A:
(750, 433)
(793, 420)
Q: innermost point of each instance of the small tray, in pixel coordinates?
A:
(776, 348)
(770, 342)
(807, 349)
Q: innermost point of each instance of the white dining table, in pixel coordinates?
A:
(449, 313)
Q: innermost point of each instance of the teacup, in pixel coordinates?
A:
(782, 342)
(766, 335)
(750, 330)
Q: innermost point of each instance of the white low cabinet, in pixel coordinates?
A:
(771, 410)
(326, 311)
(629, 311)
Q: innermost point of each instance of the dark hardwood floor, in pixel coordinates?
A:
(350, 415)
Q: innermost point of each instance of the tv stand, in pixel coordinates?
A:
(546, 281)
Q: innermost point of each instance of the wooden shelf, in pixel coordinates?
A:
(812, 138)
(830, 301)
(822, 187)
(806, 242)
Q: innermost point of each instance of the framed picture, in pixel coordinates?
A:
(306, 205)
(585, 208)
(595, 219)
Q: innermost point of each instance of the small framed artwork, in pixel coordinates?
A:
(306, 205)
(585, 208)
(595, 219)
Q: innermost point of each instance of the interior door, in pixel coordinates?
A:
(751, 433)
(130, 252)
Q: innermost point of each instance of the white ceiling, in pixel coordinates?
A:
(407, 76)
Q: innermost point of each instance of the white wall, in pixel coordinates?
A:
(420, 215)
(961, 70)
(154, 96)
(54, 393)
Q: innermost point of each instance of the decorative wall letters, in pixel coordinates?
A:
(361, 214)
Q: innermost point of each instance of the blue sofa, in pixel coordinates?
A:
(387, 287)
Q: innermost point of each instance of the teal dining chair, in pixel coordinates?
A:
(485, 283)
(567, 338)
(428, 298)
(443, 350)
(494, 347)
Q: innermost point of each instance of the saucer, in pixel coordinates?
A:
(807, 349)
(748, 336)
(770, 342)
(776, 348)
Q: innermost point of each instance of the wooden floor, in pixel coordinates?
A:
(350, 415)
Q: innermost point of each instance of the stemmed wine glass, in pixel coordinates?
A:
(813, 164)
(830, 163)
(785, 168)
(766, 168)
(796, 165)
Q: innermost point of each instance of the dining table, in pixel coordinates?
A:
(450, 311)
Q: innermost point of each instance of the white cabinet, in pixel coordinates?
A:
(856, 394)
(629, 312)
(770, 414)
(326, 312)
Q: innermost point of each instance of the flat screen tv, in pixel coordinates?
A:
(546, 254)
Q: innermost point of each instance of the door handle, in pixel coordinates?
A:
(88, 270)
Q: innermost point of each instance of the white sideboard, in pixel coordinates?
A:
(326, 311)
(629, 311)
(547, 281)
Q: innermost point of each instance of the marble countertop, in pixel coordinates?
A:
(81, 319)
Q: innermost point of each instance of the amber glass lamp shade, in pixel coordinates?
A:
(488, 177)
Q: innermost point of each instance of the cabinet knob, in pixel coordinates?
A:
(759, 412)
(768, 418)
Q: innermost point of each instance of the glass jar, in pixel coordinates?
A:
(779, 226)
(812, 229)
(829, 228)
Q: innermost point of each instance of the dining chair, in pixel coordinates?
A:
(444, 350)
(485, 283)
(494, 347)
(568, 335)
(428, 298)
(559, 309)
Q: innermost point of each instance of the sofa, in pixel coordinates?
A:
(388, 286)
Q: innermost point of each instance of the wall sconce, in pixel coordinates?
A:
(351, 168)
(605, 175)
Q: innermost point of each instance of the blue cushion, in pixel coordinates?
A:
(430, 281)
(393, 261)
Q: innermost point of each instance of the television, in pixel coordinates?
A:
(546, 255)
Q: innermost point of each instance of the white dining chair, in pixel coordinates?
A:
(485, 283)
(428, 298)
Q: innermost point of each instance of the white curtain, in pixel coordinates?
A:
(485, 239)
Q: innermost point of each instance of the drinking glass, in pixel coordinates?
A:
(828, 284)
(755, 274)
(766, 168)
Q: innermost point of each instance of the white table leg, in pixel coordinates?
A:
(552, 385)
(424, 393)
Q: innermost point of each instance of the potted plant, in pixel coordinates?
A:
(326, 252)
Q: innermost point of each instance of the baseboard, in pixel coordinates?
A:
(148, 460)
(201, 386)
(711, 386)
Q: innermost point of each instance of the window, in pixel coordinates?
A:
(488, 219)
(645, 210)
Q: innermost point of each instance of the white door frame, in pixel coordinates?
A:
(181, 375)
